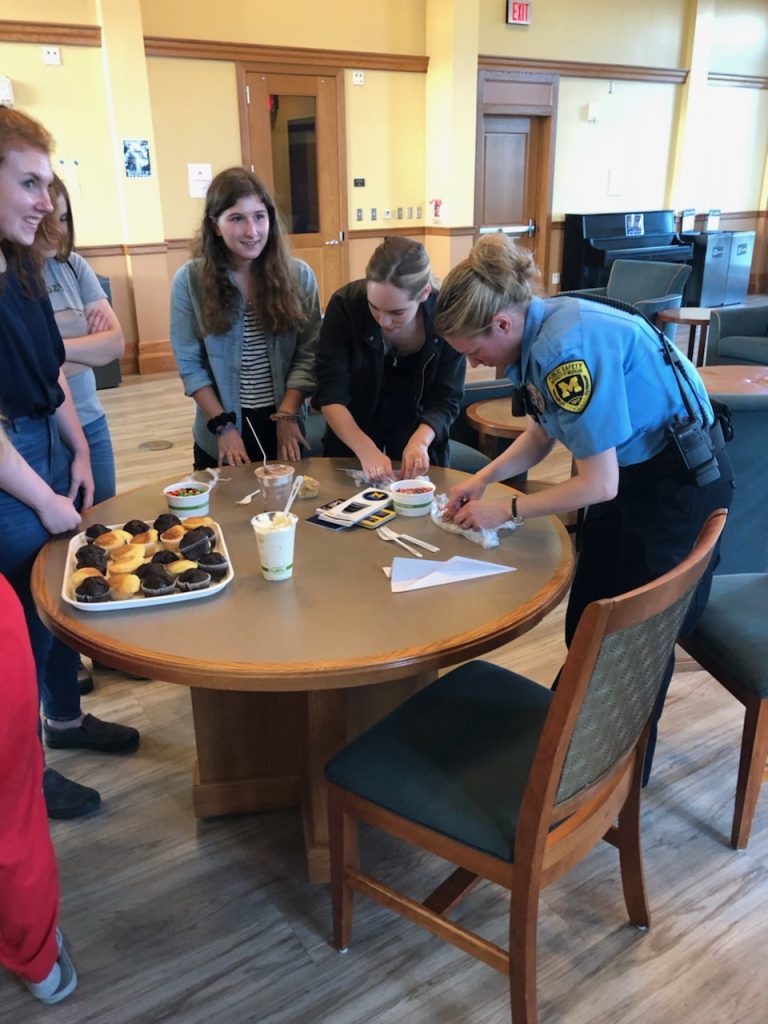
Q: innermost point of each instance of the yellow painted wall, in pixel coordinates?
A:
(194, 110)
(385, 145)
(740, 43)
(379, 26)
(59, 96)
(63, 12)
(619, 161)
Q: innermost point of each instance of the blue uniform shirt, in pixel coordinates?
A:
(599, 379)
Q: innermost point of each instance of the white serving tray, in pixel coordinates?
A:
(139, 600)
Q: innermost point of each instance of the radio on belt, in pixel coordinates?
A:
(352, 511)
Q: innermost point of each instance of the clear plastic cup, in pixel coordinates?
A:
(275, 481)
(275, 535)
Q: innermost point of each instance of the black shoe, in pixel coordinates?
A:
(93, 734)
(84, 679)
(65, 799)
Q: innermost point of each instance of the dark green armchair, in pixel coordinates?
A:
(651, 286)
(738, 335)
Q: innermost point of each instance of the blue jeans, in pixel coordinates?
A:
(22, 535)
(102, 459)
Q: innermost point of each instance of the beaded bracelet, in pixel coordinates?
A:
(280, 415)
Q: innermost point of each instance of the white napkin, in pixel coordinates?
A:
(408, 574)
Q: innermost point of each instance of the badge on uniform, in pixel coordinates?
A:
(570, 385)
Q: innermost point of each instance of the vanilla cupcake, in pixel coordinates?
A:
(148, 538)
(124, 586)
(180, 565)
(113, 539)
(129, 563)
(170, 538)
(192, 522)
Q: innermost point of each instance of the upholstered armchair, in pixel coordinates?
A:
(651, 286)
(738, 334)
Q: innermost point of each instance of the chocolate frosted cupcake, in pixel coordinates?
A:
(157, 582)
(90, 555)
(96, 531)
(166, 521)
(215, 563)
(142, 570)
(194, 579)
(92, 590)
(196, 543)
(135, 526)
(164, 557)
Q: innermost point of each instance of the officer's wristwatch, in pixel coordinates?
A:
(516, 518)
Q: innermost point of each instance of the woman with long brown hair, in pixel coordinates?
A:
(245, 317)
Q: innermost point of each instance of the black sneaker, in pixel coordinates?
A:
(65, 799)
(93, 734)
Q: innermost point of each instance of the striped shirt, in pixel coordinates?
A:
(256, 389)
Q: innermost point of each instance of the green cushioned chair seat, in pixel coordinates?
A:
(743, 349)
(733, 631)
(455, 757)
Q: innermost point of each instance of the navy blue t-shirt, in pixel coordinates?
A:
(31, 353)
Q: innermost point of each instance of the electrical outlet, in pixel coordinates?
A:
(399, 213)
(418, 213)
(359, 213)
(358, 78)
(555, 279)
(387, 215)
(51, 55)
(409, 213)
(374, 214)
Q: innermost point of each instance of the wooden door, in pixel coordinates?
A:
(293, 144)
(509, 175)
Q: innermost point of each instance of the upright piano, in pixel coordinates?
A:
(594, 240)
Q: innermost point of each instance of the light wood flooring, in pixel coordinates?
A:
(173, 920)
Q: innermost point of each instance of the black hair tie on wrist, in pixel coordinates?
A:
(216, 424)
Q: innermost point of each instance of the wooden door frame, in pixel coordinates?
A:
(522, 94)
(243, 68)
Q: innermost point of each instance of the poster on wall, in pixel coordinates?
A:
(136, 158)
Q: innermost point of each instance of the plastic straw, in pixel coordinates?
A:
(258, 442)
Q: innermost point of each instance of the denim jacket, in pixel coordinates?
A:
(215, 359)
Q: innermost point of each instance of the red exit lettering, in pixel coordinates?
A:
(518, 13)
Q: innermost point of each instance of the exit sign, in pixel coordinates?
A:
(518, 13)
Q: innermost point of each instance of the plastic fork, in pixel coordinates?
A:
(249, 497)
(386, 534)
(407, 537)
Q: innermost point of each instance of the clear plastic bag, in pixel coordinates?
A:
(485, 538)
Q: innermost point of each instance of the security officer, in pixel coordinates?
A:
(601, 381)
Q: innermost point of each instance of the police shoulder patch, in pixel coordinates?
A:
(570, 385)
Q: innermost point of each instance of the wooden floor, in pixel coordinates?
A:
(173, 920)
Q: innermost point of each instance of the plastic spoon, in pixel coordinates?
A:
(294, 491)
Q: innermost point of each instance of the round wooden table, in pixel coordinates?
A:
(695, 318)
(283, 674)
(493, 418)
(735, 380)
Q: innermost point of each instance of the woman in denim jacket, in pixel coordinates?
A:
(244, 322)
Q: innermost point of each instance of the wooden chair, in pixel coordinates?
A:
(512, 782)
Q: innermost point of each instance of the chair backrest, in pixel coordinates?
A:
(637, 280)
(609, 684)
(744, 545)
(738, 335)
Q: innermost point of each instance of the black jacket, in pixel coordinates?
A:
(350, 366)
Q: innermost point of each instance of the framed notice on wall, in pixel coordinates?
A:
(518, 13)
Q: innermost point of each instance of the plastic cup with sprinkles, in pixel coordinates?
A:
(188, 498)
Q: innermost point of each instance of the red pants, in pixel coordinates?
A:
(29, 878)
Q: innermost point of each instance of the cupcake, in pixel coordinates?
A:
(165, 521)
(124, 586)
(164, 557)
(82, 574)
(171, 537)
(113, 539)
(91, 555)
(181, 565)
(142, 570)
(96, 530)
(194, 579)
(92, 590)
(192, 522)
(148, 538)
(129, 562)
(310, 488)
(215, 563)
(135, 526)
(196, 542)
(157, 582)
